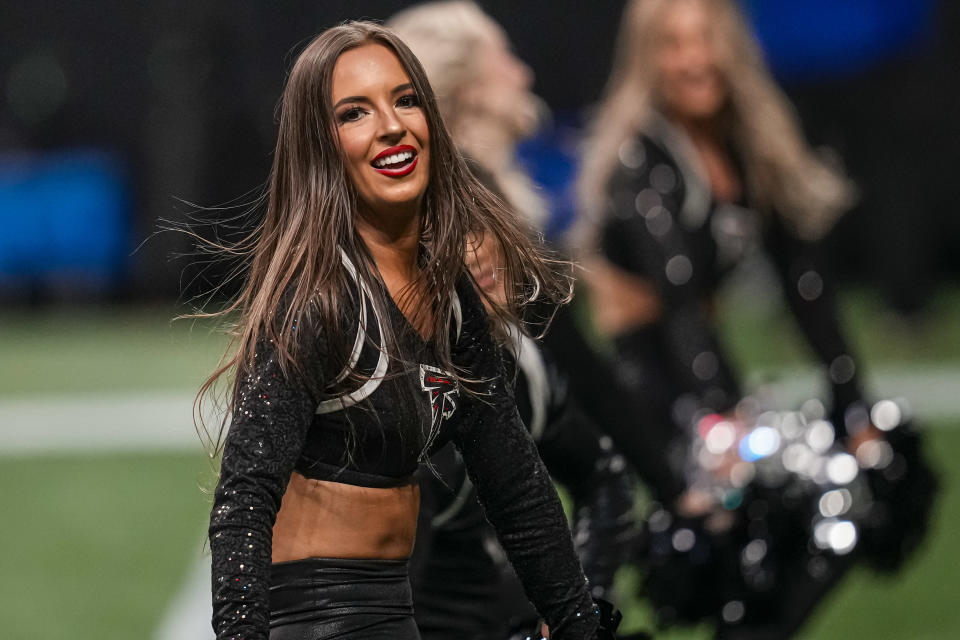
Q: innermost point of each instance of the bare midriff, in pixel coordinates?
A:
(323, 519)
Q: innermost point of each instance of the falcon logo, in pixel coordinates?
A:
(442, 390)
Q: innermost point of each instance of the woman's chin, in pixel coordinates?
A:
(699, 106)
(393, 203)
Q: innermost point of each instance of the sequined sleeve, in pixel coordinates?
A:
(271, 415)
(515, 489)
(809, 292)
(644, 234)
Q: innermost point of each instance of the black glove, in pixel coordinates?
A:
(610, 618)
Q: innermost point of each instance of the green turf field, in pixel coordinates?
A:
(95, 545)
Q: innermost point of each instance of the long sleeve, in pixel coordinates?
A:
(602, 488)
(645, 235)
(514, 487)
(271, 416)
(809, 292)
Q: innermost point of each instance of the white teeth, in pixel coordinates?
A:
(396, 158)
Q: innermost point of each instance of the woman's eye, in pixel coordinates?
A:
(408, 101)
(351, 115)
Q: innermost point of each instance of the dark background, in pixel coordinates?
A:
(176, 100)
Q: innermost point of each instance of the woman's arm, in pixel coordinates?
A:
(522, 505)
(514, 487)
(271, 416)
(809, 291)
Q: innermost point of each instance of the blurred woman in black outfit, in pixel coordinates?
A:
(696, 160)
(461, 580)
(484, 93)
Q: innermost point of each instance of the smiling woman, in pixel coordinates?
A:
(362, 347)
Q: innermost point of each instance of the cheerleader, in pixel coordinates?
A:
(362, 346)
(694, 161)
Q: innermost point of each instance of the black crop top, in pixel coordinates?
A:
(351, 439)
(276, 428)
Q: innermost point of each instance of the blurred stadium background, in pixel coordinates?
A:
(116, 114)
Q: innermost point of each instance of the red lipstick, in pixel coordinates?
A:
(395, 162)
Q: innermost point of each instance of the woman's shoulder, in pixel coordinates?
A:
(643, 158)
(645, 165)
(319, 335)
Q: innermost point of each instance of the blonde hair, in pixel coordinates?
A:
(446, 36)
(782, 171)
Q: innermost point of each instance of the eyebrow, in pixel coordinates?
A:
(397, 89)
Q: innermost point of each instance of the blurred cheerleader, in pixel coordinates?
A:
(693, 160)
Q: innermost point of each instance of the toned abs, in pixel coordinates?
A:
(324, 519)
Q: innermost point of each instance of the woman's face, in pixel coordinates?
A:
(501, 87)
(690, 84)
(383, 130)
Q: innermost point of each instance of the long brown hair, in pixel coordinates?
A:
(783, 173)
(292, 258)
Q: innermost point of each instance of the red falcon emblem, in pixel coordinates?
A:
(442, 390)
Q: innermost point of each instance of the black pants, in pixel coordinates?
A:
(345, 599)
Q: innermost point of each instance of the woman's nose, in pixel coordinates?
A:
(391, 126)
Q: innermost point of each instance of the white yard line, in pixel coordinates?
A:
(122, 421)
(933, 393)
(150, 421)
(188, 615)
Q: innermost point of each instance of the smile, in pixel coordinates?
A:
(395, 161)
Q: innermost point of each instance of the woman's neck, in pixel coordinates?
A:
(710, 141)
(393, 241)
(701, 131)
